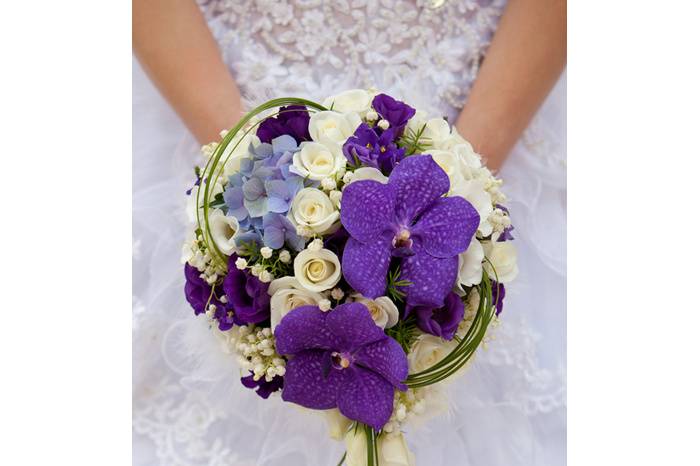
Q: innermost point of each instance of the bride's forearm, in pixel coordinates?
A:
(176, 48)
(527, 55)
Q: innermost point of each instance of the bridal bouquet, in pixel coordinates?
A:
(352, 254)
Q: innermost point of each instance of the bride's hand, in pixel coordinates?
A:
(176, 48)
(527, 55)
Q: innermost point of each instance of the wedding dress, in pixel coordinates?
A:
(189, 408)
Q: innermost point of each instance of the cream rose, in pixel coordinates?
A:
(451, 165)
(353, 100)
(384, 312)
(317, 162)
(470, 268)
(426, 351)
(474, 192)
(224, 231)
(504, 258)
(313, 209)
(317, 270)
(332, 128)
(286, 294)
(392, 449)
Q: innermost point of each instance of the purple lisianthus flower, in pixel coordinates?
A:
(394, 111)
(505, 236)
(292, 120)
(371, 150)
(247, 296)
(498, 293)
(197, 291)
(341, 359)
(441, 322)
(264, 388)
(410, 219)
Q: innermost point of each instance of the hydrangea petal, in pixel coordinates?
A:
(385, 357)
(304, 328)
(365, 265)
(366, 397)
(353, 326)
(418, 181)
(446, 228)
(368, 209)
(307, 385)
(431, 278)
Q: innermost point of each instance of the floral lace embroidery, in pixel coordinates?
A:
(313, 48)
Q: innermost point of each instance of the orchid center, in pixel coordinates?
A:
(403, 239)
(341, 360)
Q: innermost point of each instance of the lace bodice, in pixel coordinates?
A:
(314, 48)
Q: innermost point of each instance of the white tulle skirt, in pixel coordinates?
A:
(189, 407)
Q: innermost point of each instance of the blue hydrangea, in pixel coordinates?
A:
(264, 186)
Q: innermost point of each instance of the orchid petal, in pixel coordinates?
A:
(431, 278)
(304, 328)
(418, 181)
(353, 326)
(368, 209)
(446, 228)
(366, 397)
(307, 385)
(387, 358)
(365, 265)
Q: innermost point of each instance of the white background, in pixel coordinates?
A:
(65, 339)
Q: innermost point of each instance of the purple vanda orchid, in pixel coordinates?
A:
(341, 359)
(410, 219)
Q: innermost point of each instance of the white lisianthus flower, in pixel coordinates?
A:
(338, 424)
(392, 449)
(286, 294)
(234, 156)
(368, 173)
(451, 164)
(382, 309)
(353, 100)
(504, 258)
(470, 268)
(436, 132)
(426, 351)
(316, 161)
(317, 270)
(216, 188)
(332, 129)
(224, 231)
(313, 209)
(473, 191)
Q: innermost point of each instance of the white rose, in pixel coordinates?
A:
(338, 424)
(426, 351)
(392, 449)
(332, 128)
(313, 209)
(415, 124)
(368, 173)
(473, 191)
(504, 258)
(470, 268)
(384, 312)
(469, 158)
(353, 100)
(286, 294)
(224, 231)
(233, 164)
(316, 161)
(317, 270)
